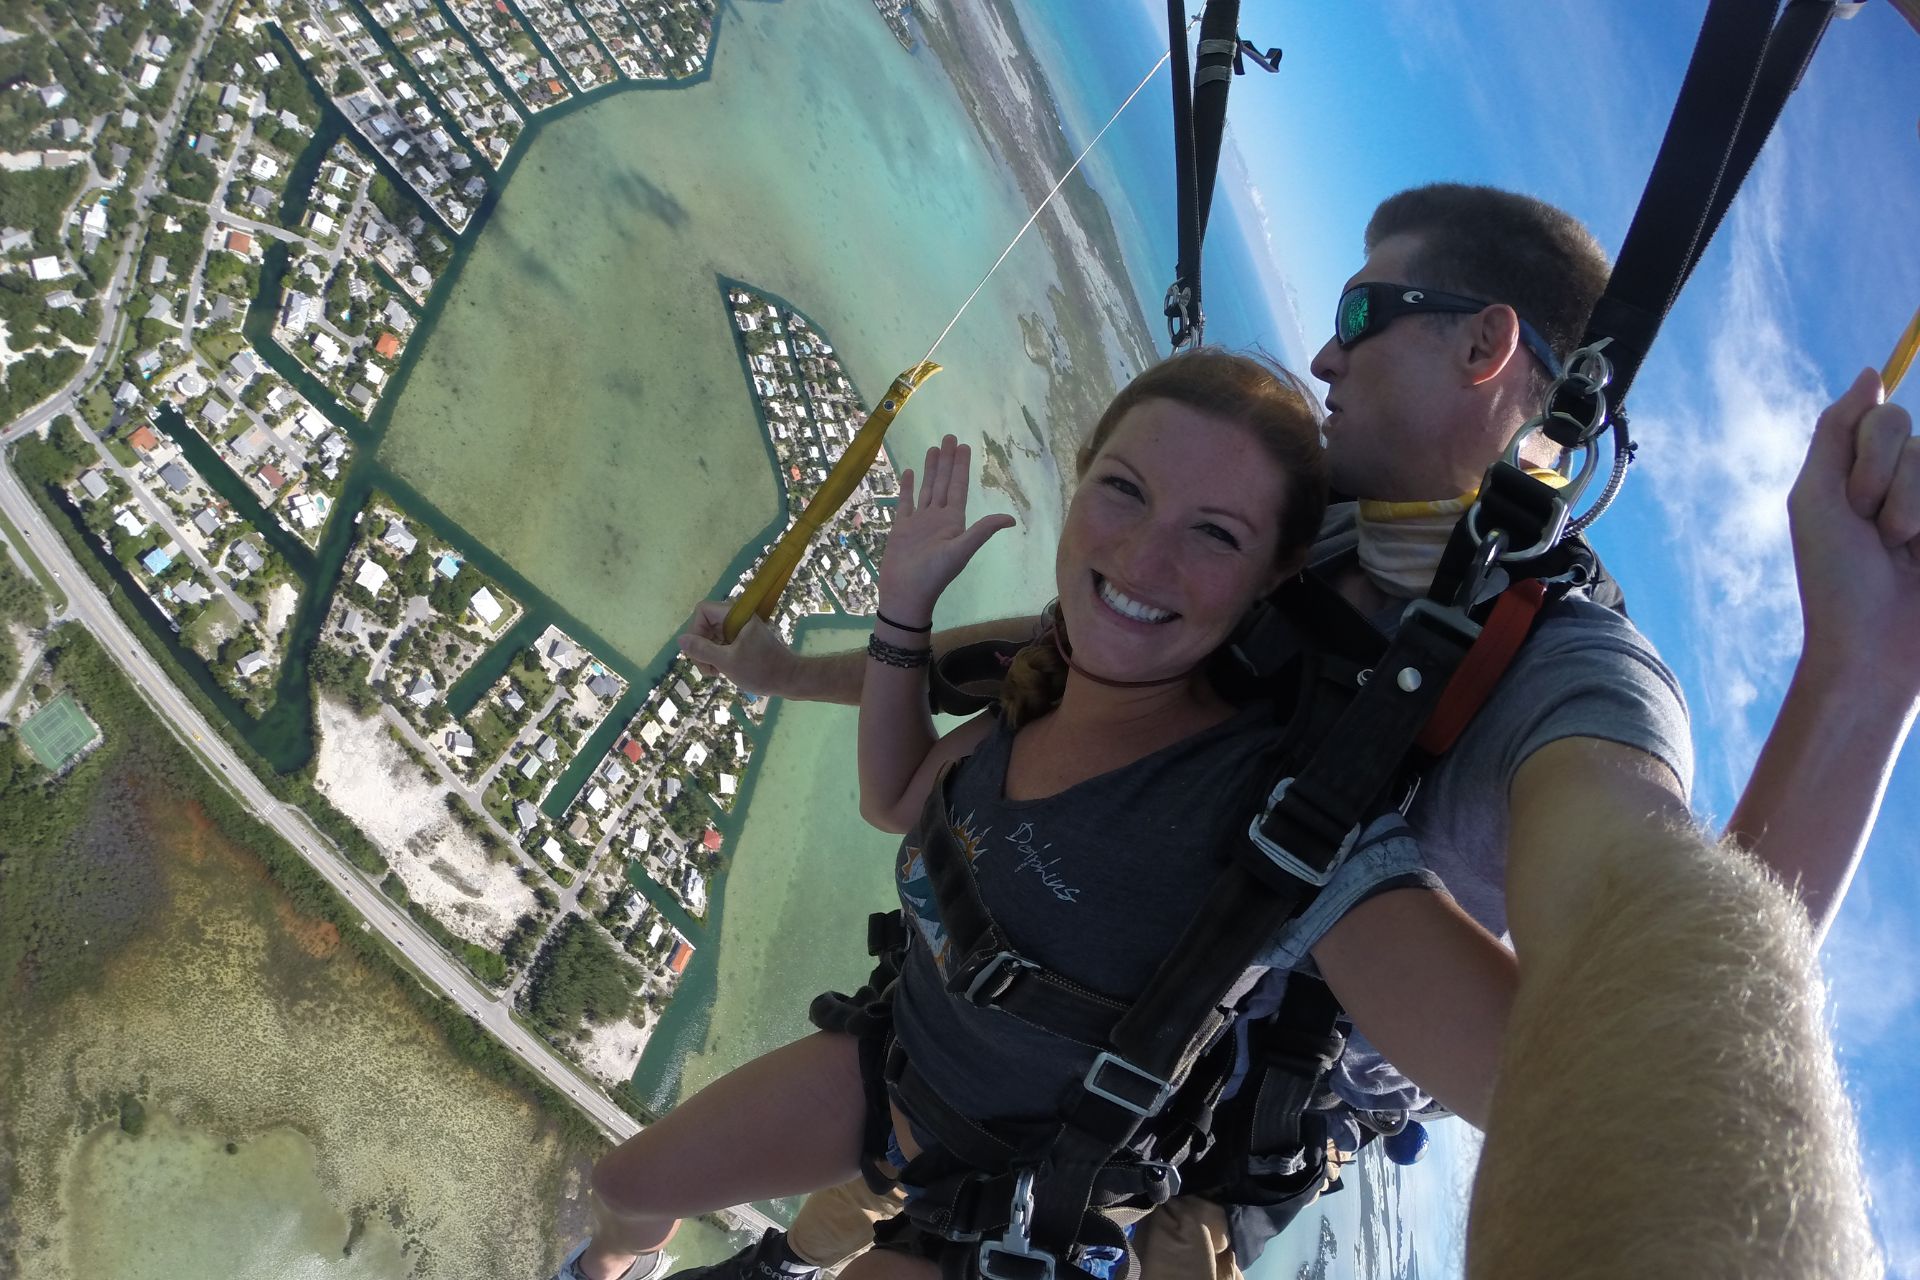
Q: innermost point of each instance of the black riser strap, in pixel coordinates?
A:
(1341, 786)
(1667, 226)
(1219, 26)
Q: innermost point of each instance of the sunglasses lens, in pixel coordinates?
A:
(1351, 321)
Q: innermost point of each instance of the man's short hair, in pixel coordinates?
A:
(1503, 247)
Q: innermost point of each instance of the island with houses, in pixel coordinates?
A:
(235, 223)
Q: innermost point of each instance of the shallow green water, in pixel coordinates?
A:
(806, 872)
(164, 1188)
(580, 409)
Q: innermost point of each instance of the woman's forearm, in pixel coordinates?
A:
(1429, 987)
(896, 729)
(841, 677)
(1817, 786)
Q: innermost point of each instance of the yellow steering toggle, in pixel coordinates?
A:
(762, 594)
(1902, 357)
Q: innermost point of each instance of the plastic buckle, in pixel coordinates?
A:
(1000, 971)
(1288, 862)
(1161, 1089)
(1012, 1256)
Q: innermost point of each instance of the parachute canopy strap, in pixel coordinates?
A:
(1183, 296)
(763, 590)
(1743, 70)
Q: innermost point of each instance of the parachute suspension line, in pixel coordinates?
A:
(1044, 202)
(761, 595)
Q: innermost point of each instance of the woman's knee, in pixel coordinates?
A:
(887, 1264)
(787, 1122)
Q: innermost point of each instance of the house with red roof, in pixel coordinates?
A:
(682, 952)
(711, 841)
(239, 242)
(271, 477)
(632, 750)
(387, 346)
(143, 440)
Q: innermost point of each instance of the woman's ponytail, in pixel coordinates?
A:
(1038, 676)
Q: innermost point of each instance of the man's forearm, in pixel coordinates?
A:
(1668, 1101)
(837, 677)
(1810, 804)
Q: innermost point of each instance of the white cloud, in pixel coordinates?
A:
(1726, 466)
(1275, 284)
(1869, 956)
(1896, 1215)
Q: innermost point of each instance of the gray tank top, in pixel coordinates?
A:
(1096, 883)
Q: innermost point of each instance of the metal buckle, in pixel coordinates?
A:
(1161, 1089)
(1012, 1256)
(1287, 861)
(992, 972)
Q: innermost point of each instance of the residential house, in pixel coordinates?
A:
(400, 538)
(175, 477)
(255, 661)
(485, 607)
(371, 577)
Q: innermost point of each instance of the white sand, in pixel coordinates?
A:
(281, 602)
(611, 1052)
(364, 772)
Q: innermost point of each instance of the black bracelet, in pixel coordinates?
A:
(894, 655)
(901, 626)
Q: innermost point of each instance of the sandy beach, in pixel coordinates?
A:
(368, 777)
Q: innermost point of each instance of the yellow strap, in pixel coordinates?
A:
(762, 595)
(1902, 358)
(1383, 512)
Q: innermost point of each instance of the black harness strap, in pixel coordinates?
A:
(1742, 72)
(1312, 821)
(1183, 297)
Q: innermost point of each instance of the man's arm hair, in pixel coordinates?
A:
(1668, 1101)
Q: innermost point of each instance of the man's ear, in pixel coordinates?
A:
(1492, 342)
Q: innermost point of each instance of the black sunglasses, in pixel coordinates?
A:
(1370, 306)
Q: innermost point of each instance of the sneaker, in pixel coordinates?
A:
(765, 1260)
(644, 1267)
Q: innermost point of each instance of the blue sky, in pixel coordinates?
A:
(1811, 278)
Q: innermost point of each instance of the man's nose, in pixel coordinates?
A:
(1326, 361)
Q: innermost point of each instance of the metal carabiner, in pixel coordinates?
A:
(1012, 1256)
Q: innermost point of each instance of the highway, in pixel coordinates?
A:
(91, 609)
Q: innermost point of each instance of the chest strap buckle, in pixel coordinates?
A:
(1284, 858)
(1141, 1084)
(992, 979)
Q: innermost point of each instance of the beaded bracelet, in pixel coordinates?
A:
(901, 626)
(894, 655)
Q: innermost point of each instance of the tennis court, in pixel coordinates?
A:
(57, 731)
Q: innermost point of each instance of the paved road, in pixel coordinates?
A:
(91, 609)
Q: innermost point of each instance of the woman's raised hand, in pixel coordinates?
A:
(931, 541)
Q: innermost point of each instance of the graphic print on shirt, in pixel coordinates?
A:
(1034, 857)
(916, 891)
